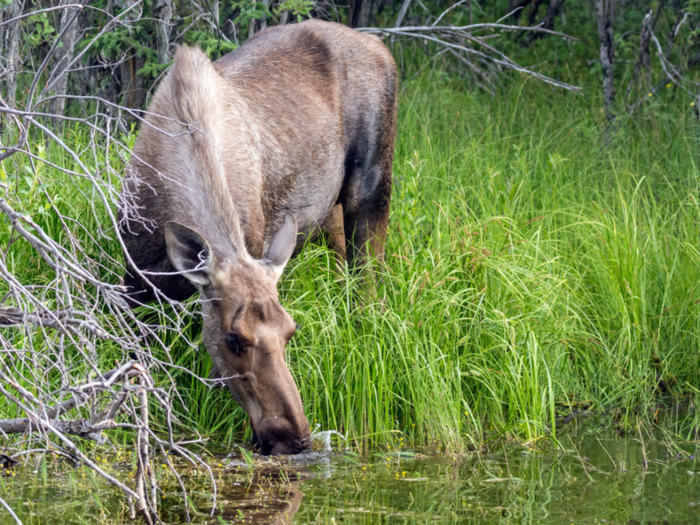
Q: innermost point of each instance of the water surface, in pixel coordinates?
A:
(593, 480)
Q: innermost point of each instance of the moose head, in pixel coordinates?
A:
(246, 330)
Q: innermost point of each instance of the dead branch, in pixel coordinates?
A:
(469, 45)
(672, 74)
(644, 60)
(82, 428)
(10, 511)
(39, 11)
(53, 393)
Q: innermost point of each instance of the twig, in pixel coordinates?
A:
(499, 59)
(644, 450)
(467, 28)
(2, 501)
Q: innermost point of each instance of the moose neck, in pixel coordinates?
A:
(202, 129)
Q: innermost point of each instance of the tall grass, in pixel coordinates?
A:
(529, 267)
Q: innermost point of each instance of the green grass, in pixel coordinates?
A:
(529, 268)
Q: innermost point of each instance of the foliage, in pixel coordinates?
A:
(213, 47)
(298, 8)
(251, 11)
(40, 30)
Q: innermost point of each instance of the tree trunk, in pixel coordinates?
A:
(360, 13)
(251, 26)
(13, 59)
(164, 11)
(403, 10)
(133, 94)
(605, 11)
(58, 83)
(552, 11)
(215, 12)
(2, 39)
(644, 59)
(263, 20)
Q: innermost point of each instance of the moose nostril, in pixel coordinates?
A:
(233, 344)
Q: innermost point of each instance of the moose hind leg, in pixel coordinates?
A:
(366, 192)
(366, 217)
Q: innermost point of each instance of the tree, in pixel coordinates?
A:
(13, 57)
(360, 12)
(63, 54)
(605, 12)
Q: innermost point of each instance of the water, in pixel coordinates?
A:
(593, 480)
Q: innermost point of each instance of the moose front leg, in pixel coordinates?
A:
(334, 230)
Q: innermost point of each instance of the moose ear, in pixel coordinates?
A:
(189, 253)
(282, 246)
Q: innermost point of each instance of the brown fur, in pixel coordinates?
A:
(300, 120)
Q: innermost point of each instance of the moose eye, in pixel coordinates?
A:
(233, 344)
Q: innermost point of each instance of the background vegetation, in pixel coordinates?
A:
(543, 251)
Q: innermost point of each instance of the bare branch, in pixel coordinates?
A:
(464, 40)
(468, 44)
(39, 11)
(7, 507)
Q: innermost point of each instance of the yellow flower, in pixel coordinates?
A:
(668, 85)
(649, 94)
(692, 103)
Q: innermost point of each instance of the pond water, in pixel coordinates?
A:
(594, 479)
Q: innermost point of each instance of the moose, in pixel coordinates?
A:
(238, 162)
